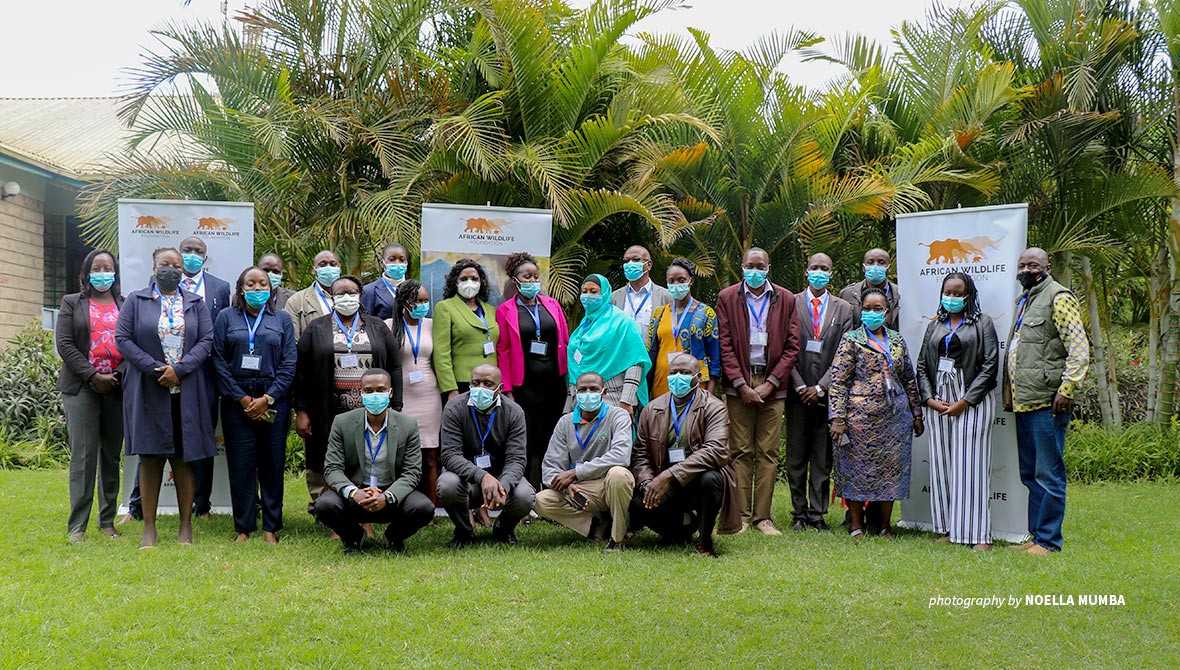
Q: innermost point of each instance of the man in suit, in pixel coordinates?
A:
(373, 464)
(876, 269)
(379, 295)
(640, 297)
(483, 451)
(315, 301)
(272, 265)
(681, 463)
(823, 320)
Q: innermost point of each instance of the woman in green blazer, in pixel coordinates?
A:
(465, 330)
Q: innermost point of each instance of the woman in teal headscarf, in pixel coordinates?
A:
(608, 343)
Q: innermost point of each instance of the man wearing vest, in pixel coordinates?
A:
(1046, 358)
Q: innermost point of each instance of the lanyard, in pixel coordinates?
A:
(348, 332)
(253, 329)
(883, 347)
(590, 435)
(415, 342)
(484, 321)
(483, 434)
(391, 287)
(374, 454)
(324, 299)
(646, 296)
(678, 324)
(171, 304)
(1020, 312)
(757, 317)
(678, 418)
(817, 320)
(535, 312)
(946, 343)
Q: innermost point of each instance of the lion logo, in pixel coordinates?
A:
(210, 223)
(952, 250)
(152, 222)
(485, 226)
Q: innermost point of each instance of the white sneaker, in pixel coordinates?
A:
(766, 527)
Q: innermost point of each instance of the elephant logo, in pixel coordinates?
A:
(210, 223)
(952, 250)
(485, 226)
(152, 222)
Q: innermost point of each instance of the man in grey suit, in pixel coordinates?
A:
(373, 464)
(823, 320)
(876, 269)
(272, 265)
(640, 297)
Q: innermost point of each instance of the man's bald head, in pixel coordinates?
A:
(820, 261)
(486, 375)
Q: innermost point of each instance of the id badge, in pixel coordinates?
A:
(539, 348)
(815, 346)
(373, 480)
(577, 355)
(417, 377)
(251, 362)
(349, 361)
(889, 382)
(171, 340)
(675, 455)
(489, 348)
(483, 461)
(946, 364)
(758, 339)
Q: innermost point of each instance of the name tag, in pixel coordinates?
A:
(888, 382)
(373, 480)
(483, 461)
(577, 355)
(758, 339)
(417, 377)
(250, 362)
(815, 346)
(349, 361)
(489, 348)
(946, 364)
(539, 348)
(171, 340)
(675, 455)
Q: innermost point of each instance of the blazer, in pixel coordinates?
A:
(851, 295)
(506, 443)
(274, 342)
(782, 338)
(217, 294)
(660, 296)
(73, 343)
(705, 438)
(458, 341)
(346, 455)
(509, 348)
(812, 368)
(315, 371)
(282, 295)
(979, 358)
(377, 300)
(304, 307)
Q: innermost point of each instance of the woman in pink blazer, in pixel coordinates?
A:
(531, 354)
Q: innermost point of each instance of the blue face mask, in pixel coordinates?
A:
(193, 262)
(276, 279)
(482, 397)
(530, 289)
(102, 281)
(872, 320)
(327, 274)
(953, 305)
(818, 279)
(590, 402)
(680, 291)
(396, 270)
(633, 270)
(377, 402)
(754, 278)
(680, 384)
(591, 302)
(257, 299)
(875, 273)
(420, 310)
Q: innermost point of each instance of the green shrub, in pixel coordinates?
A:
(295, 460)
(32, 423)
(1126, 453)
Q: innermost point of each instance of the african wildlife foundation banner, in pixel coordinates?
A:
(986, 243)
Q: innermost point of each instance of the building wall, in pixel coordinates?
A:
(22, 271)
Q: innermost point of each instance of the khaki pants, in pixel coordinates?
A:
(610, 494)
(754, 435)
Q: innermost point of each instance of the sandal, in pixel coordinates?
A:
(885, 532)
(857, 532)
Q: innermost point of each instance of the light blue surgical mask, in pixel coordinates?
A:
(420, 310)
(591, 302)
(482, 397)
(679, 291)
(276, 279)
(818, 279)
(952, 304)
(680, 384)
(590, 401)
(396, 270)
(872, 320)
(193, 262)
(102, 281)
(376, 402)
(530, 289)
(633, 270)
(257, 299)
(754, 278)
(327, 274)
(875, 273)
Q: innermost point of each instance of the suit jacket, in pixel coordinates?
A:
(377, 300)
(660, 296)
(851, 295)
(304, 307)
(282, 295)
(979, 358)
(217, 293)
(812, 367)
(73, 343)
(782, 338)
(346, 455)
(506, 442)
(705, 438)
(458, 341)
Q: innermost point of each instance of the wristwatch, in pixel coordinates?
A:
(269, 401)
(819, 391)
(389, 497)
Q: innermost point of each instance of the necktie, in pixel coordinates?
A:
(815, 324)
(189, 284)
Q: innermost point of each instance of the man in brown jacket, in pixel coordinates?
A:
(681, 463)
(759, 347)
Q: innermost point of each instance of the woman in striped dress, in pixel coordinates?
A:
(957, 370)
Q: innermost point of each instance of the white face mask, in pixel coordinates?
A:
(468, 288)
(347, 303)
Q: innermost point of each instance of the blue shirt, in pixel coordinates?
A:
(274, 344)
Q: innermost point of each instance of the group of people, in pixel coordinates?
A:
(656, 411)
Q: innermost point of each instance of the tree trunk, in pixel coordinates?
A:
(1105, 381)
(1157, 304)
(1171, 326)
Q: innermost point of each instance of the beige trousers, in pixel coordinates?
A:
(610, 494)
(754, 435)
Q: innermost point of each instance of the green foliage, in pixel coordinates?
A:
(1127, 453)
(296, 463)
(32, 424)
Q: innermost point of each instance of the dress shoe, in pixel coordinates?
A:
(613, 547)
(506, 536)
(77, 537)
(396, 545)
(705, 548)
(460, 540)
(766, 527)
(1038, 550)
(821, 526)
(110, 532)
(350, 548)
(799, 526)
(1024, 546)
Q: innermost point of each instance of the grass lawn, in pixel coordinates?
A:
(808, 600)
